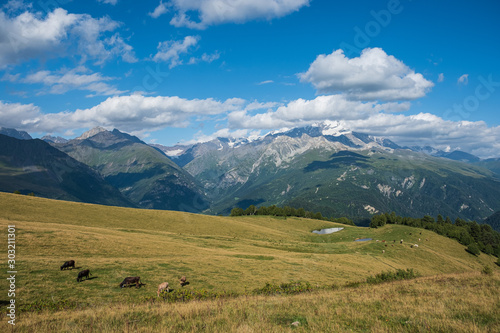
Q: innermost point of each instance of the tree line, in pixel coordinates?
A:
(477, 237)
(287, 211)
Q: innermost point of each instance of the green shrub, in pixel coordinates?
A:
(290, 288)
(399, 274)
(473, 249)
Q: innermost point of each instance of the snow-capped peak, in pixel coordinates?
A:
(333, 128)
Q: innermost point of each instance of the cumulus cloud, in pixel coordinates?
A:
(15, 115)
(302, 112)
(170, 51)
(373, 118)
(464, 79)
(213, 12)
(132, 113)
(441, 77)
(159, 10)
(428, 129)
(373, 75)
(31, 35)
(78, 78)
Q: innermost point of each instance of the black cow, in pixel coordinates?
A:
(68, 264)
(83, 274)
(131, 280)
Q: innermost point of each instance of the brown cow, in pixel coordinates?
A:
(83, 274)
(161, 287)
(183, 281)
(131, 280)
(68, 264)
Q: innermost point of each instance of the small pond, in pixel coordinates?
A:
(363, 239)
(327, 231)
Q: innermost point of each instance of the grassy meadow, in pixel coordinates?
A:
(236, 254)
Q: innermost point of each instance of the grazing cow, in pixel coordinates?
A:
(161, 287)
(83, 274)
(416, 245)
(131, 280)
(401, 242)
(183, 281)
(68, 264)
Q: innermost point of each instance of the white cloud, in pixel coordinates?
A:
(373, 118)
(224, 133)
(170, 51)
(213, 12)
(464, 79)
(441, 77)
(14, 115)
(31, 35)
(65, 80)
(110, 2)
(17, 5)
(204, 58)
(159, 10)
(373, 75)
(133, 113)
(302, 112)
(265, 82)
(139, 114)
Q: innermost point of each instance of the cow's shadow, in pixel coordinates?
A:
(93, 277)
(134, 285)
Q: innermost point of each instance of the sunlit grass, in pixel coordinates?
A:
(467, 302)
(223, 254)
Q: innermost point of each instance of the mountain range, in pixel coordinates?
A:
(322, 167)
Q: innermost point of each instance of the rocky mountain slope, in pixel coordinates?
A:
(145, 175)
(321, 167)
(337, 172)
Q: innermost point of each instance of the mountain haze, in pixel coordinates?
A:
(35, 166)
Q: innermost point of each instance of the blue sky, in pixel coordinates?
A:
(417, 72)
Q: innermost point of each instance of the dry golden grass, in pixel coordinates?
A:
(216, 253)
(468, 302)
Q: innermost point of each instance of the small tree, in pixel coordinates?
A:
(237, 211)
(251, 210)
(301, 212)
(473, 248)
(488, 249)
(378, 221)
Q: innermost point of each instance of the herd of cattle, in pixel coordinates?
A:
(128, 281)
